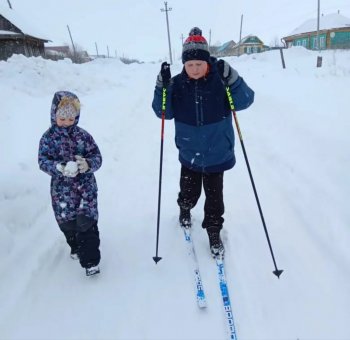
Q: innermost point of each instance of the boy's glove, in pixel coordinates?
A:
(68, 170)
(164, 75)
(83, 165)
(226, 72)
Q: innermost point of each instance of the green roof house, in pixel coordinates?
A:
(249, 44)
(334, 33)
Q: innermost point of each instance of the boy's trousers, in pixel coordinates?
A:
(190, 191)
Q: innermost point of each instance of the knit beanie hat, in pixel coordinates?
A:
(195, 47)
(68, 108)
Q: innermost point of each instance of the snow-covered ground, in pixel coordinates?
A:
(297, 138)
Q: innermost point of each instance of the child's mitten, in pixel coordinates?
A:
(164, 75)
(83, 165)
(228, 74)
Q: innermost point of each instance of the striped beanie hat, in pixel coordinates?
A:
(195, 47)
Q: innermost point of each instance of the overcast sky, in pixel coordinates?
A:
(137, 28)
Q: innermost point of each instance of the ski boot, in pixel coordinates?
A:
(74, 254)
(216, 246)
(93, 270)
(185, 218)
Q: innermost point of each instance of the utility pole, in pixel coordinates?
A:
(75, 55)
(8, 1)
(182, 39)
(209, 38)
(107, 51)
(240, 36)
(319, 58)
(318, 25)
(166, 10)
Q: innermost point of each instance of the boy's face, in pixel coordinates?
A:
(196, 68)
(64, 122)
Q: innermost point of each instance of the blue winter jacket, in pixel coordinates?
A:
(203, 118)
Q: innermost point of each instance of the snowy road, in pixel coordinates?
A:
(296, 136)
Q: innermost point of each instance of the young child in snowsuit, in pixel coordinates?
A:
(70, 156)
(197, 100)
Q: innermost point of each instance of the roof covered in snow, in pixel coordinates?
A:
(21, 22)
(226, 45)
(247, 37)
(7, 32)
(327, 22)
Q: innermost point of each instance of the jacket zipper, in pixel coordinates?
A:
(197, 102)
(199, 105)
(199, 118)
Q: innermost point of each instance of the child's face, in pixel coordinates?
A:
(64, 122)
(196, 68)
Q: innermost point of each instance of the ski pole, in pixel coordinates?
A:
(277, 272)
(157, 258)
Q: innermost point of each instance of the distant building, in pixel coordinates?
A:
(223, 50)
(17, 37)
(57, 52)
(61, 52)
(334, 33)
(249, 44)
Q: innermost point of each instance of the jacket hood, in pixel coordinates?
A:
(55, 102)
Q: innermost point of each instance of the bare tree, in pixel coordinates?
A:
(78, 56)
(276, 42)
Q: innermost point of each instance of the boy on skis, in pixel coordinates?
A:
(70, 156)
(197, 100)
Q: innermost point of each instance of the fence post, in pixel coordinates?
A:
(282, 57)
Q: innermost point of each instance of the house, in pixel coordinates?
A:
(334, 33)
(61, 52)
(18, 37)
(249, 44)
(223, 50)
(57, 52)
